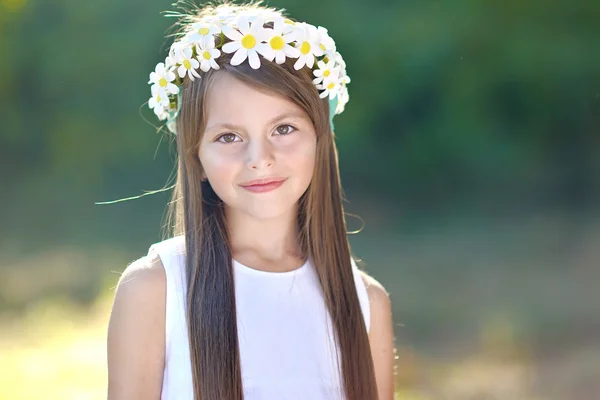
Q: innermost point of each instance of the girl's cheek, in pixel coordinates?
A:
(302, 146)
(223, 156)
(305, 149)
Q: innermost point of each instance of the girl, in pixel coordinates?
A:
(255, 295)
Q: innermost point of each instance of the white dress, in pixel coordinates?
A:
(284, 331)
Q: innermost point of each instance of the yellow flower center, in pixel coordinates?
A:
(206, 55)
(322, 47)
(158, 99)
(162, 82)
(277, 43)
(331, 86)
(187, 64)
(305, 48)
(326, 73)
(248, 41)
(203, 31)
(289, 21)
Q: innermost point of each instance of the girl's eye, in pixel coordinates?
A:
(281, 130)
(227, 138)
(285, 131)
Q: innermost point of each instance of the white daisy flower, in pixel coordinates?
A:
(207, 54)
(249, 38)
(201, 31)
(269, 15)
(279, 41)
(253, 14)
(344, 78)
(309, 45)
(343, 98)
(327, 43)
(171, 60)
(159, 101)
(172, 126)
(170, 63)
(187, 64)
(246, 42)
(330, 89)
(325, 72)
(165, 115)
(223, 16)
(338, 59)
(163, 77)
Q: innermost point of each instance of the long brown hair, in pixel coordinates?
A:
(198, 213)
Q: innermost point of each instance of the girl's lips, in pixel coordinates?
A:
(264, 187)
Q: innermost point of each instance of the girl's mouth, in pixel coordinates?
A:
(264, 185)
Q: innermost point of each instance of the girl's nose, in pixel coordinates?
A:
(260, 154)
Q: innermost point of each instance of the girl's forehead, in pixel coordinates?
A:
(227, 89)
(230, 100)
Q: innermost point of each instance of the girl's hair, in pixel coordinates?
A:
(198, 213)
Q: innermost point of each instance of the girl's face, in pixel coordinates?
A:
(250, 135)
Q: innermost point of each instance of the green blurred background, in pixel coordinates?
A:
(470, 150)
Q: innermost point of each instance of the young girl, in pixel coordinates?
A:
(255, 295)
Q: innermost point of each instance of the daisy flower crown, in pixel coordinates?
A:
(202, 41)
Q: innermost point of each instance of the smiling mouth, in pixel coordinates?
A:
(264, 186)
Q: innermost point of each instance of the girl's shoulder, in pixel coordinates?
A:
(143, 279)
(378, 296)
(381, 334)
(136, 330)
(174, 245)
(144, 271)
(374, 288)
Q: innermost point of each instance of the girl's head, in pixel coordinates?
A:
(239, 123)
(239, 117)
(246, 124)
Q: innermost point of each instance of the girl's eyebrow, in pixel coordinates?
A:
(226, 125)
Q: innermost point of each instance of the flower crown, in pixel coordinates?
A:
(197, 47)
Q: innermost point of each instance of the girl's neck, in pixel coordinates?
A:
(269, 242)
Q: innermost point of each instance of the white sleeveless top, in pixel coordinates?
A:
(285, 333)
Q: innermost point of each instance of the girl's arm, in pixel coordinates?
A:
(381, 337)
(136, 332)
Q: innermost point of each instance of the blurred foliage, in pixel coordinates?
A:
(479, 102)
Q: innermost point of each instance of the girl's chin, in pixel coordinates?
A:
(265, 210)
